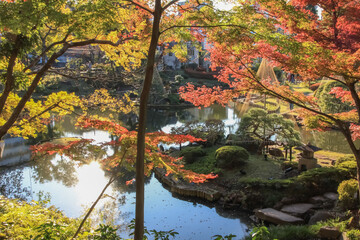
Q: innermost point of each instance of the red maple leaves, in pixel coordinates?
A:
(125, 149)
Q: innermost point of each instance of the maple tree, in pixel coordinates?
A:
(300, 41)
(34, 34)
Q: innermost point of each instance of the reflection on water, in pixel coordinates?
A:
(165, 120)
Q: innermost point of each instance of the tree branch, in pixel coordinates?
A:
(37, 59)
(202, 26)
(10, 79)
(169, 4)
(141, 6)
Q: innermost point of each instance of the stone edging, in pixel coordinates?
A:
(187, 189)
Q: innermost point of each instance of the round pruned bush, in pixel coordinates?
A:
(231, 156)
(347, 193)
(348, 164)
(190, 154)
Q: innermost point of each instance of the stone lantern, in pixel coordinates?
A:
(306, 158)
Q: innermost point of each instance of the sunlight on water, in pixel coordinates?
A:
(91, 182)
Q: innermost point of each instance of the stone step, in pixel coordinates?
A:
(274, 216)
(297, 209)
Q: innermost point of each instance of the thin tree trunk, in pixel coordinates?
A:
(356, 98)
(111, 180)
(9, 79)
(139, 212)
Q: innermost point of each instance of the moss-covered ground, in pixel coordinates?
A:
(256, 167)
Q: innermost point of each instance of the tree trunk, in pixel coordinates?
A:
(9, 77)
(290, 154)
(139, 212)
(356, 98)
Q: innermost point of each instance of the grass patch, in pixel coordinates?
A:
(256, 166)
(205, 164)
(330, 154)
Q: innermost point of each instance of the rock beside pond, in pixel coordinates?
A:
(297, 209)
(320, 216)
(331, 196)
(318, 200)
(277, 217)
(329, 232)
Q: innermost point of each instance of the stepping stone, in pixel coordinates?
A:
(317, 199)
(277, 217)
(320, 216)
(297, 209)
(331, 196)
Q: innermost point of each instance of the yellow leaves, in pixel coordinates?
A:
(37, 114)
(102, 100)
(180, 52)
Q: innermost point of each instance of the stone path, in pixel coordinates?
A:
(293, 213)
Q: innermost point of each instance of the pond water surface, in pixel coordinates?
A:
(72, 187)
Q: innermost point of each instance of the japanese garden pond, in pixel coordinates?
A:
(72, 187)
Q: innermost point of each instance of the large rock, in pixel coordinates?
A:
(297, 209)
(318, 200)
(320, 216)
(277, 217)
(276, 152)
(331, 196)
(329, 232)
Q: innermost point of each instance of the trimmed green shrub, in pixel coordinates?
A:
(347, 193)
(317, 181)
(190, 154)
(345, 159)
(348, 164)
(231, 156)
(350, 167)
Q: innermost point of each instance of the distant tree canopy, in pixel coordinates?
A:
(327, 102)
